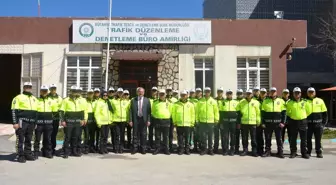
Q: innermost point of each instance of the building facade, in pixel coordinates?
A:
(230, 54)
(307, 67)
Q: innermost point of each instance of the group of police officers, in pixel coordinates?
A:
(201, 121)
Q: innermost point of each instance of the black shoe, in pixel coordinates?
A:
(167, 152)
(86, 151)
(267, 154)
(244, 153)
(157, 151)
(260, 153)
(231, 153)
(53, 152)
(65, 156)
(281, 155)
(203, 152)
(225, 153)
(49, 156)
(215, 150)
(187, 152)
(92, 150)
(76, 154)
(101, 152)
(305, 156)
(211, 152)
(171, 150)
(180, 152)
(292, 155)
(236, 152)
(195, 150)
(30, 157)
(134, 151)
(22, 159)
(319, 155)
(255, 154)
(143, 151)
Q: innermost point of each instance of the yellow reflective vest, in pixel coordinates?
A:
(183, 114)
(249, 112)
(120, 107)
(207, 111)
(102, 113)
(162, 109)
(90, 105)
(57, 102)
(297, 110)
(73, 110)
(24, 107)
(44, 110)
(273, 110)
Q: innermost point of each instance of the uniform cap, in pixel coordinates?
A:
(184, 92)
(249, 91)
(192, 90)
(263, 90)
(229, 91)
(187, 91)
(126, 92)
(220, 89)
(240, 91)
(198, 89)
(27, 84)
(207, 89)
(111, 89)
(273, 89)
(73, 87)
(297, 89)
(96, 90)
(175, 91)
(44, 87)
(53, 86)
(90, 90)
(120, 90)
(162, 91)
(285, 90)
(169, 88)
(256, 88)
(311, 89)
(154, 88)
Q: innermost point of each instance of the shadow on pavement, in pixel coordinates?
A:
(6, 156)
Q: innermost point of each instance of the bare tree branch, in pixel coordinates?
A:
(327, 36)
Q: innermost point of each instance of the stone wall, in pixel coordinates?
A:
(168, 69)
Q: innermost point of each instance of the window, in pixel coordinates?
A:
(32, 71)
(84, 71)
(252, 72)
(204, 76)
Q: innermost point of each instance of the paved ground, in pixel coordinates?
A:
(148, 169)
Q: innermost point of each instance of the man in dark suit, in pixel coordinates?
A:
(139, 119)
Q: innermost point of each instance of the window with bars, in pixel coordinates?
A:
(204, 75)
(84, 71)
(253, 72)
(32, 71)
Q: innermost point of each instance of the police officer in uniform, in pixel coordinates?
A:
(44, 123)
(151, 128)
(111, 96)
(228, 120)
(220, 101)
(103, 114)
(285, 98)
(239, 98)
(80, 146)
(120, 109)
(183, 116)
(175, 94)
(89, 127)
(207, 116)
(126, 96)
(261, 128)
(297, 110)
(161, 111)
(248, 119)
(273, 117)
(24, 107)
(193, 138)
(93, 128)
(317, 119)
(72, 116)
(57, 102)
(171, 99)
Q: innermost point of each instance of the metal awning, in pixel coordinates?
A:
(136, 56)
(329, 89)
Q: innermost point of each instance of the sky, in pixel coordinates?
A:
(99, 8)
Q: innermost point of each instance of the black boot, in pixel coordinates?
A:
(231, 152)
(180, 152)
(236, 152)
(244, 153)
(36, 154)
(86, 151)
(215, 150)
(280, 155)
(187, 151)
(305, 156)
(92, 150)
(134, 151)
(211, 152)
(292, 155)
(203, 152)
(225, 153)
(30, 157)
(157, 151)
(22, 159)
(267, 153)
(319, 155)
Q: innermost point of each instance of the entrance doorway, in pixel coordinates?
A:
(133, 74)
(10, 79)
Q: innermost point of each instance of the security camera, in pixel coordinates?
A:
(293, 39)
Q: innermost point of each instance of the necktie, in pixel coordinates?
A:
(140, 106)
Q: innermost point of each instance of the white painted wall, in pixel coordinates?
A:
(225, 63)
